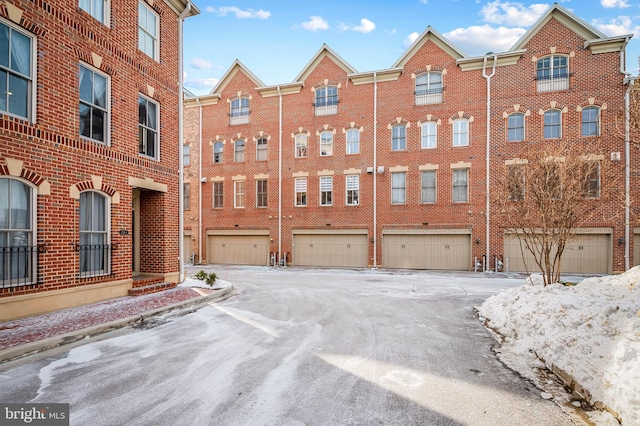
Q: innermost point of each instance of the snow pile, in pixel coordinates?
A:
(590, 330)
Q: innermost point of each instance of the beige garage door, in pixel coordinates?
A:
(238, 249)
(186, 247)
(588, 253)
(447, 251)
(636, 247)
(337, 249)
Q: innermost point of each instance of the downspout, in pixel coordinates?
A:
(199, 181)
(488, 153)
(280, 175)
(181, 19)
(375, 170)
(627, 172)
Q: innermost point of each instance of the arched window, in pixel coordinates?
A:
(552, 73)
(94, 249)
(17, 265)
(218, 152)
(238, 151)
(239, 111)
(429, 88)
(591, 121)
(515, 127)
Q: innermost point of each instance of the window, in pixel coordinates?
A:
(148, 29)
(148, 113)
(552, 124)
(326, 100)
(301, 191)
(515, 127)
(326, 144)
(217, 152)
(186, 196)
(94, 249)
(460, 186)
(353, 141)
(552, 73)
(326, 190)
(94, 107)
(428, 187)
(186, 155)
(428, 137)
(429, 88)
(516, 181)
(353, 190)
(591, 121)
(398, 138)
(238, 194)
(96, 8)
(301, 145)
(592, 179)
(239, 111)
(217, 195)
(261, 193)
(261, 149)
(461, 132)
(238, 151)
(16, 70)
(16, 232)
(398, 188)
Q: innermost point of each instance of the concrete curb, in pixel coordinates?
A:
(30, 348)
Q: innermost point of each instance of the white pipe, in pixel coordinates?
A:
(627, 173)
(375, 169)
(488, 153)
(181, 18)
(280, 175)
(199, 181)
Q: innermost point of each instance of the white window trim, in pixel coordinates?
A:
(435, 135)
(106, 4)
(453, 132)
(107, 136)
(322, 178)
(346, 190)
(158, 115)
(156, 47)
(107, 233)
(435, 186)
(236, 194)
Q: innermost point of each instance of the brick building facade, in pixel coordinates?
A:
(394, 167)
(89, 150)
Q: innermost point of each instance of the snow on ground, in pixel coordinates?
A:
(590, 330)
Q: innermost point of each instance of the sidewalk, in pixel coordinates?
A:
(37, 333)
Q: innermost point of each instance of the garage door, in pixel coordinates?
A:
(636, 247)
(587, 253)
(411, 250)
(186, 247)
(335, 249)
(236, 248)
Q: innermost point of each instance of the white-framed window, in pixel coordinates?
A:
(326, 144)
(461, 132)
(218, 149)
(353, 141)
(591, 121)
(17, 233)
(429, 88)
(552, 124)
(399, 137)
(301, 145)
(301, 192)
(261, 149)
(148, 31)
(186, 155)
(428, 182)
(94, 104)
(428, 138)
(261, 193)
(552, 73)
(186, 196)
(326, 190)
(217, 195)
(148, 127)
(398, 188)
(17, 59)
(516, 181)
(95, 253)
(239, 111)
(99, 9)
(326, 100)
(353, 190)
(515, 127)
(238, 151)
(592, 179)
(239, 195)
(460, 186)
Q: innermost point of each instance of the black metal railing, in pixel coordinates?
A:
(424, 92)
(19, 265)
(95, 259)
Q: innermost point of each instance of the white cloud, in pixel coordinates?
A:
(240, 14)
(478, 40)
(411, 38)
(617, 26)
(201, 64)
(614, 3)
(200, 85)
(366, 26)
(512, 14)
(315, 23)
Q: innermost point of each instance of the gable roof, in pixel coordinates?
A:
(325, 51)
(233, 69)
(429, 34)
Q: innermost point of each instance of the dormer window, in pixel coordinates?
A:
(429, 88)
(552, 73)
(326, 100)
(239, 111)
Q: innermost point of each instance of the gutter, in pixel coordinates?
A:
(488, 154)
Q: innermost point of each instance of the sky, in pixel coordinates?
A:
(276, 39)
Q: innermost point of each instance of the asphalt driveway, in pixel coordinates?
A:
(299, 347)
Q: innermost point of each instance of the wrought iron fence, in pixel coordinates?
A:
(95, 259)
(19, 265)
